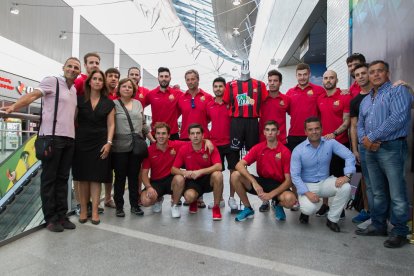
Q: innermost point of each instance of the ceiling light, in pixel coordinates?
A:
(236, 2)
(14, 10)
(236, 32)
(234, 54)
(63, 35)
(234, 69)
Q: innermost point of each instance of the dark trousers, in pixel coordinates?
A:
(125, 164)
(54, 180)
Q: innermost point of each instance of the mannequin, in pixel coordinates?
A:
(245, 73)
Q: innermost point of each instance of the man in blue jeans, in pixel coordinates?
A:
(383, 126)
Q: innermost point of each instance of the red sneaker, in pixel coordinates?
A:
(216, 213)
(193, 207)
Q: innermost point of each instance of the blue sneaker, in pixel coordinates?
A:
(245, 214)
(279, 212)
(361, 217)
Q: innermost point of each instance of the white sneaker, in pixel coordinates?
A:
(364, 225)
(175, 211)
(157, 207)
(232, 203)
(211, 204)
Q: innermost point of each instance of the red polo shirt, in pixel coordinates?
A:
(245, 97)
(332, 109)
(140, 95)
(302, 106)
(274, 109)
(218, 114)
(160, 162)
(112, 95)
(271, 163)
(191, 115)
(164, 107)
(354, 89)
(196, 160)
(79, 84)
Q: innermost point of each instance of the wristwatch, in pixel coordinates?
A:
(348, 175)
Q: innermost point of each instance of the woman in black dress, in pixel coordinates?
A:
(93, 140)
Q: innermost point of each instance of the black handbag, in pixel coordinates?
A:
(44, 143)
(139, 146)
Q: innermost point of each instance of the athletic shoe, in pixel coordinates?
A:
(175, 211)
(295, 206)
(323, 211)
(55, 227)
(232, 203)
(137, 211)
(211, 204)
(365, 224)
(279, 212)
(342, 215)
(361, 217)
(193, 207)
(216, 213)
(120, 213)
(247, 213)
(265, 207)
(304, 219)
(157, 207)
(67, 224)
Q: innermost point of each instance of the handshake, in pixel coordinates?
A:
(372, 146)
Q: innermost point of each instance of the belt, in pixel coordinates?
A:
(402, 138)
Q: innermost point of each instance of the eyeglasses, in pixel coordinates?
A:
(193, 103)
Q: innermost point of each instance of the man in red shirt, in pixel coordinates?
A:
(352, 61)
(202, 173)
(134, 73)
(164, 103)
(112, 79)
(217, 113)
(193, 105)
(91, 62)
(334, 111)
(273, 167)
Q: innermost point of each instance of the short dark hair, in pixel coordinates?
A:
(356, 56)
(219, 79)
(133, 67)
(302, 66)
(361, 65)
(313, 120)
(274, 72)
(92, 54)
(121, 82)
(162, 125)
(195, 125)
(72, 58)
(164, 69)
(112, 71)
(271, 123)
(375, 62)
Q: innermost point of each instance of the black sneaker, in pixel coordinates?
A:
(323, 211)
(100, 210)
(137, 211)
(120, 213)
(55, 227)
(179, 203)
(304, 219)
(265, 207)
(342, 215)
(67, 224)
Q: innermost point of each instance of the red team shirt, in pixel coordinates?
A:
(271, 163)
(274, 109)
(332, 110)
(140, 95)
(245, 97)
(160, 162)
(164, 107)
(354, 89)
(112, 95)
(303, 104)
(79, 84)
(220, 123)
(196, 160)
(191, 115)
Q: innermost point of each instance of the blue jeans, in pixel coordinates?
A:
(365, 174)
(386, 168)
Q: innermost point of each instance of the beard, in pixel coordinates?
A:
(164, 84)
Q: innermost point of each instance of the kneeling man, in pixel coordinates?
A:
(310, 174)
(273, 167)
(202, 172)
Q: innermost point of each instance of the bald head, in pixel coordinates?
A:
(330, 80)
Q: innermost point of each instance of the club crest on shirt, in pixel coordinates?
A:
(278, 155)
(205, 156)
(203, 98)
(255, 90)
(141, 96)
(282, 103)
(310, 92)
(171, 97)
(336, 103)
(173, 152)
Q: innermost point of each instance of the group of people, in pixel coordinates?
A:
(294, 170)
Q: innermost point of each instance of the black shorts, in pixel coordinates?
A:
(243, 131)
(231, 156)
(174, 136)
(267, 184)
(163, 185)
(201, 184)
(293, 141)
